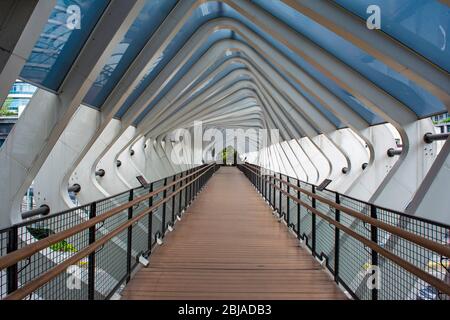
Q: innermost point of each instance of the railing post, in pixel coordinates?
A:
(91, 257)
(280, 195)
(186, 190)
(337, 217)
(191, 178)
(163, 224)
(298, 211)
(259, 179)
(374, 238)
(313, 221)
(274, 195)
(129, 237)
(173, 198)
(263, 185)
(195, 185)
(12, 271)
(288, 189)
(150, 222)
(180, 194)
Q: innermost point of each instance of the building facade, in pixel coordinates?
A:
(18, 97)
(442, 122)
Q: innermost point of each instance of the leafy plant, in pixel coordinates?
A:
(40, 233)
(4, 110)
(61, 246)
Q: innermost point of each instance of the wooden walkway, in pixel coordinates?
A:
(229, 246)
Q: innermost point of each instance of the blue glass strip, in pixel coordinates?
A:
(422, 25)
(61, 41)
(213, 10)
(151, 16)
(420, 101)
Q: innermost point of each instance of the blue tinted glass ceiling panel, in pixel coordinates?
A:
(422, 25)
(205, 86)
(420, 101)
(148, 20)
(351, 101)
(202, 14)
(213, 67)
(212, 10)
(59, 43)
(213, 38)
(313, 101)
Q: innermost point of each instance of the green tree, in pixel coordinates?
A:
(4, 111)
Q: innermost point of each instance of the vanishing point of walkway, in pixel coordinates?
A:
(229, 246)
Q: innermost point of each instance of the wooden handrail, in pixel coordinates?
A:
(431, 245)
(437, 283)
(426, 243)
(27, 251)
(47, 276)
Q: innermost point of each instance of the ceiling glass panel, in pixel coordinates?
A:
(211, 10)
(422, 25)
(202, 14)
(213, 38)
(409, 93)
(313, 101)
(61, 41)
(205, 86)
(149, 19)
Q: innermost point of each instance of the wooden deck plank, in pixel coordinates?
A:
(229, 246)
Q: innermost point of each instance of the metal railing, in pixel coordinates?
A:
(373, 252)
(90, 252)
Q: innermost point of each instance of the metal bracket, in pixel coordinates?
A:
(322, 262)
(144, 261)
(301, 243)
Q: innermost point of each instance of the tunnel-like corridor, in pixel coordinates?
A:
(120, 121)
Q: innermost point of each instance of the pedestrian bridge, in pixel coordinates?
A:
(217, 232)
(230, 246)
(200, 149)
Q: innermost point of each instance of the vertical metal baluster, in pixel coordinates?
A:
(374, 238)
(150, 223)
(269, 187)
(274, 195)
(163, 224)
(173, 198)
(186, 190)
(91, 257)
(12, 274)
(288, 218)
(337, 217)
(180, 195)
(129, 237)
(298, 210)
(313, 218)
(280, 196)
